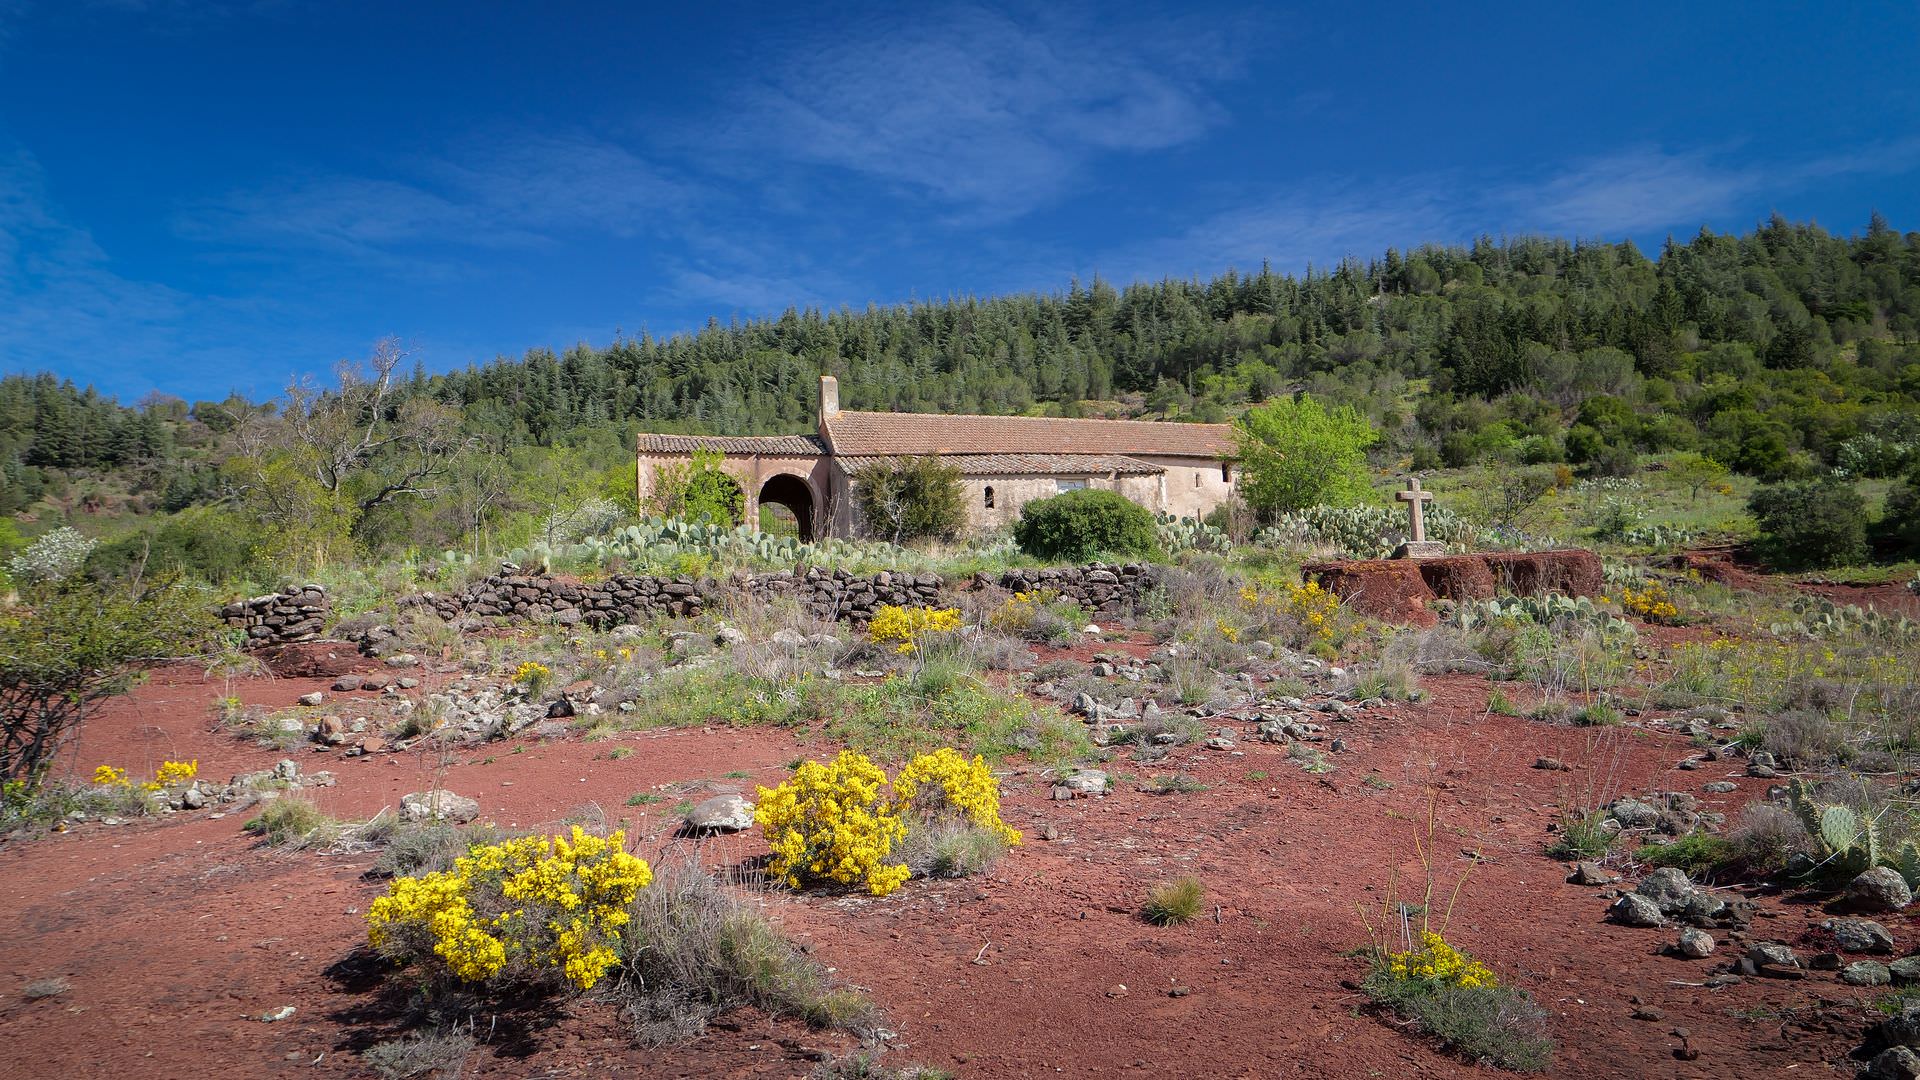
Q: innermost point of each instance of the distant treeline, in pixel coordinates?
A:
(1786, 350)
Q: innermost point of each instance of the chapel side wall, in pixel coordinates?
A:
(1010, 493)
(1194, 486)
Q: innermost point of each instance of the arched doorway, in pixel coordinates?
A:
(795, 496)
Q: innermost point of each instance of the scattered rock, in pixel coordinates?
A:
(1084, 782)
(1860, 935)
(720, 814)
(729, 635)
(438, 805)
(282, 1013)
(561, 708)
(1634, 814)
(1117, 990)
(1894, 1063)
(788, 638)
(1866, 973)
(1719, 787)
(1905, 970)
(1219, 743)
(1772, 956)
(1879, 889)
(347, 683)
(314, 698)
(1669, 888)
(1694, 944)
(1592, 874)
(1632, 909)
(1552, 764)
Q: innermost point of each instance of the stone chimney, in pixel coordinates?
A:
(829, 398)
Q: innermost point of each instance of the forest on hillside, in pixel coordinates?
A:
(1783, 353)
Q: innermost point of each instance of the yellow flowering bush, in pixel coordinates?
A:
(1311, 609)
(1017, 613)
(1437, 961)
(1651, 603)
(525, 907)
(947, 782)
(169, 774)
(533, 677)
(903, 627)
(829, 822)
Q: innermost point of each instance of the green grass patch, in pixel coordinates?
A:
(1695, 853)
(1581, 836)
(1174, 902)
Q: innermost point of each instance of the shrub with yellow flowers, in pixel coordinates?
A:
(1308, 613)
(946, 783)
(1017, 613)
(1651, 603)
(532, 677)
(829, 822)
(523, 909)
(169, 774)
(1437, 961)
(904, 627)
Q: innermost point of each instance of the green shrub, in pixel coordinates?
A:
(291, 821)
(1814, 523)
(1496, 1024)
(1297, 453)
(1695, 853)
(905, 499)
(1078, 525)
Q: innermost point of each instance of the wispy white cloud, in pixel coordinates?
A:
(517, 192)
(64, 306)
(987, 113)
(1321, 219)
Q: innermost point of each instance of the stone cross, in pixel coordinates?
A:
(1416, 501)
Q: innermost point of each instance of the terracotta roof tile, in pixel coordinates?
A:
(769, 445)
(895, 434)
(1033, 464)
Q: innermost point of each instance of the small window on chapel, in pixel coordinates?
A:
(1196, 478)
(1226, 472)
(989, 496)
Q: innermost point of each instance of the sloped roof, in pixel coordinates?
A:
(1032, 464)
(768, 445)
(869, 434)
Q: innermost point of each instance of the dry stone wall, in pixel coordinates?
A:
(299, 613)
(1104, 588)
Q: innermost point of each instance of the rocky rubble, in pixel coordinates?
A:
(297, 613)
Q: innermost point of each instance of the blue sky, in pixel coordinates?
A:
(204, 196)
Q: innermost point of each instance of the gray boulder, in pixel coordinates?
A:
(1879, 889)
(438, 806)
(1085, 782)
(1669, 888)
(720, 814)
(1694, 944)
(1632, 909)
(1866, 973)
(1634, 814)
(1893, 1063)
(1764, 955)
(1860, 935)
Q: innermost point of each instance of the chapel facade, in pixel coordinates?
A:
(1004, 462)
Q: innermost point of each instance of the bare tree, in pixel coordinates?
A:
(402, 448)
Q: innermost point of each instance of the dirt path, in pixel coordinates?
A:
(177, 933)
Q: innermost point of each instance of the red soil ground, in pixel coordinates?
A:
(176, 934)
